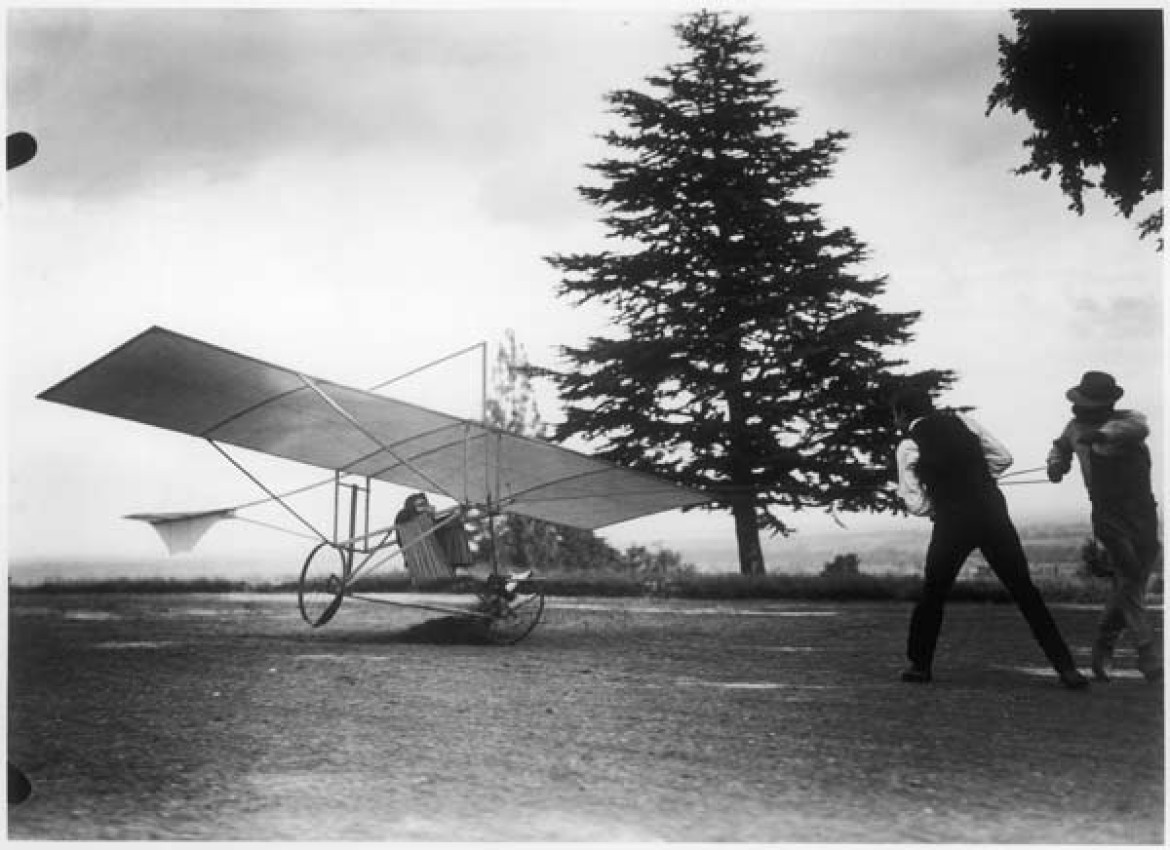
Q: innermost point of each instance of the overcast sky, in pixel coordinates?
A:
(354, 193)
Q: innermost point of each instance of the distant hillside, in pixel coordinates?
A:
(1051, 547)
(182, 567)
(1048, 545)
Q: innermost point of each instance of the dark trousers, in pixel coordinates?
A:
(959, 530)
(1128, 528)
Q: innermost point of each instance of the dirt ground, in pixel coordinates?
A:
(226, 717)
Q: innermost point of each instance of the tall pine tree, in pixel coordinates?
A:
(751, 360)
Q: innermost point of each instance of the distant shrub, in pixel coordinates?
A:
(594, 583)
(842, 566)
(655, 562)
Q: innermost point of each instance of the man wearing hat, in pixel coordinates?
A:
(947, 469)
(1110, 447)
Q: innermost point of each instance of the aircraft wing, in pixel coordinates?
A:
(172, 381)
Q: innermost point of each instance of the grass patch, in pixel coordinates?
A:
(131, 585)
(861, 587)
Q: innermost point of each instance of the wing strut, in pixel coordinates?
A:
(352, 421)
(425, 366)
(284, 495)
(273, 496)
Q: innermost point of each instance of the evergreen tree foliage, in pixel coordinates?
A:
(522, 543)
(1090, 82)
(750, 360)
(511, 403)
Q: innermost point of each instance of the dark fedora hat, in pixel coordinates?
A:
(1096, 389)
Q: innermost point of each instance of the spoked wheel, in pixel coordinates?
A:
(509, 617)
(322, 586)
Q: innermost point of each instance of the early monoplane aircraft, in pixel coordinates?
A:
(171, 381)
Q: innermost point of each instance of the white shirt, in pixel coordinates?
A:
(910, 488)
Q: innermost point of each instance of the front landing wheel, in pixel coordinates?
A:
(322, 585)
(510, 616)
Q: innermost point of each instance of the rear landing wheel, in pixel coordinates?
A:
(322, 585)
(510, 615)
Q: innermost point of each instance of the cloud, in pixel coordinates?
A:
(898, 68)
(122, 98)
(1120, 318)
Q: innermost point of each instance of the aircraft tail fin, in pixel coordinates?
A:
(180, 532)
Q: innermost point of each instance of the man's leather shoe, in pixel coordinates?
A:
(1073, 679)
(1102, 661)
(918, 675)
(1150, 663)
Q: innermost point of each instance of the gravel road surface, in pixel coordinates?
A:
(224, 717)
